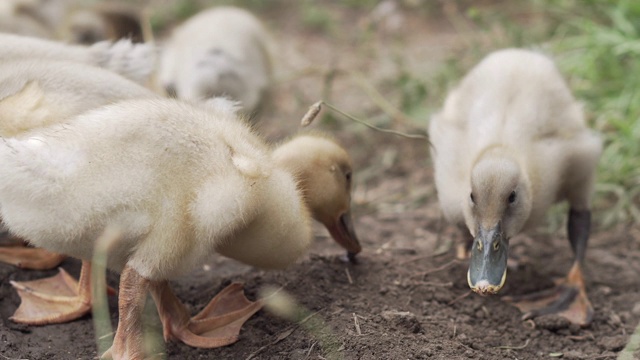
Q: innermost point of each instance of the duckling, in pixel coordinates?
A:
(103, 21)
(38, 18)
(509, 142)
(133, 61)
(222, 51)
(180, 181)
(36, 93)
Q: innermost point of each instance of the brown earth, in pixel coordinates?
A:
(408, 297)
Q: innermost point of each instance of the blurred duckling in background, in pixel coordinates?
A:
(73, 21)
(103, 21)
(511, 141)
(39, 18)
(223, 51)
(180, 181)
(134, 61)
(34, 94)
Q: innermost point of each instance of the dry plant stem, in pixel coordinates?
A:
(357, 324)
(460, 297)
(397, 115)
(506, 347)
(314, 110)
(100, 308)
(360, 80)
(346, 270)
(439, 268)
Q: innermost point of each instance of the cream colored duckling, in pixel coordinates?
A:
(510, 141)
(180, 181)
(36, 93)
(222, 51)
(133, 61)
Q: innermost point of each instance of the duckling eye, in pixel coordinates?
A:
(512, 197)
(472, 199)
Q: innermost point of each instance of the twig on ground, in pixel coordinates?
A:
(434, 284)
(8, 358)
(357, 324)
(346, 270)
(283, 335)
(310, 349)
(439, 268)
(507, 347)
(423, 257)
(460, 297)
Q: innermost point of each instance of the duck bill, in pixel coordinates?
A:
(344, 234)
(488, 264)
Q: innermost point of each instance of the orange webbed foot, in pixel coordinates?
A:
(568, 299)
(29, 257)
(218, 324)
(54, 300)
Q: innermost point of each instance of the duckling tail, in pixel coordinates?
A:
(134, 61)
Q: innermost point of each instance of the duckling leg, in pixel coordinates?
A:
(24, 257)
(218, 324)
(54, 300)
(463, 246)
(128, 342)
(569, 298)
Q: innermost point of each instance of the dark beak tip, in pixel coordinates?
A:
(350, 258)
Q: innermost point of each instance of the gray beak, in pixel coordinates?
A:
(488, 264)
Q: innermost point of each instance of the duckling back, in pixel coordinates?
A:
(36, 93)
(222, 51)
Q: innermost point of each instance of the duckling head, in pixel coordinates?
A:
(496, 209)
(324, 172)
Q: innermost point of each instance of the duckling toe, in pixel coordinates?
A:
(30, 258)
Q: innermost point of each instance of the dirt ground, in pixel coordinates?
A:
(408, 297)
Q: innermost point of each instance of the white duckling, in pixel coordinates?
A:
(36, 93)
(222, 51)
(180, 181)
(133, 61)
(511, 141)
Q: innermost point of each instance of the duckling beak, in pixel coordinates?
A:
(488, 265)
(344, 234)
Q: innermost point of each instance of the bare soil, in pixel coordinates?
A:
(408, 297)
